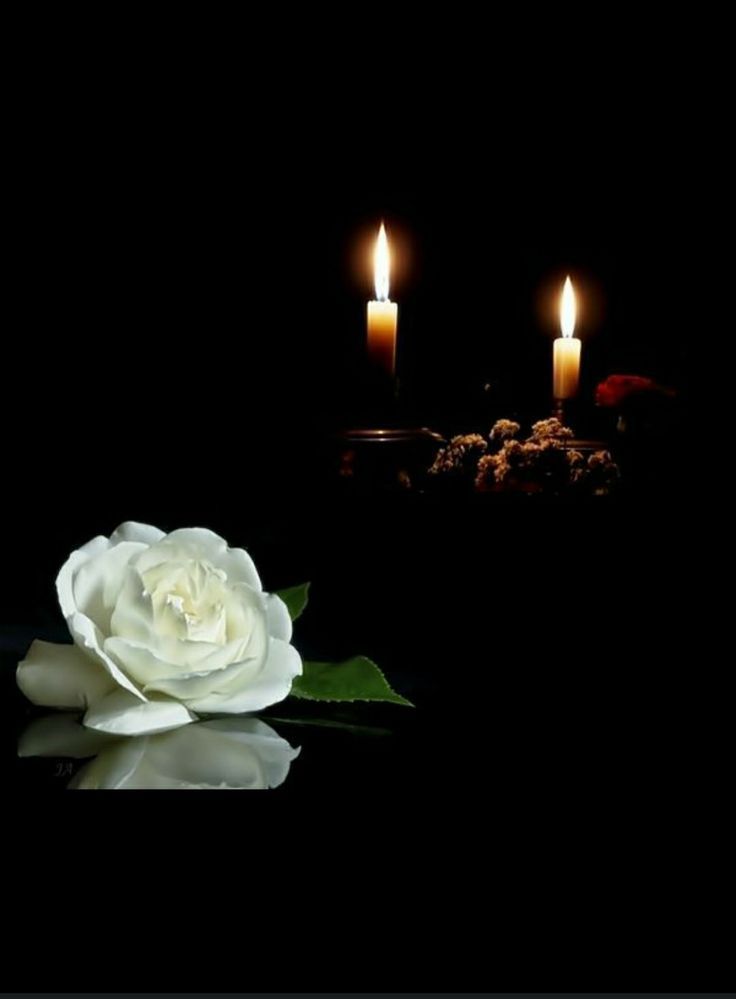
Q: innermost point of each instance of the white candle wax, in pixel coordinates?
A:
(382, 321)
(566, 352)
(383, 314)
(566, 367)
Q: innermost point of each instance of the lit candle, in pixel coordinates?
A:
(382, 314)
(566, 358)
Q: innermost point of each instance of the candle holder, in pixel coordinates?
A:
(387, 447)
(385, 458)
(565, 411)
(558, 410)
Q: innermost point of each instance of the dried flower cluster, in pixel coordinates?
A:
(549, 430)
(543, 462)
(504, 430)
(460, 455)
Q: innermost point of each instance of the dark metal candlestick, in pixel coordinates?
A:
(387, 449)
(559, 410)
(386, 457)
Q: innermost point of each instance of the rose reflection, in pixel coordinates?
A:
(224, 753)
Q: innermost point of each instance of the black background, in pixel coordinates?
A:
(192, 316)
(190, 300)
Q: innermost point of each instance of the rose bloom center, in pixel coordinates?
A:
(190, 600)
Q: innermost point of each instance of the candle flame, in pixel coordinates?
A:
(567, 309)
(381, 265)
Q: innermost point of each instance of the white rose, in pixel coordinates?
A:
(164, 626)
(242, 753)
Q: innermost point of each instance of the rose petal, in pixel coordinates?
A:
(122, 714)
(133, 623)
(199, 542)
(247, 616)
(98, 582)
(88, 635)
(184, 659)
(279, 619)
(132, 531)
(190, 686)
(65, 579)
(240, 568)
(137, 660)
(185, 543)
(62, 676)
(270, 686)
(132, 616)
(61, 735)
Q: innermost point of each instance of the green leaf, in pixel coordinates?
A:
(295, 598)
(356, 679)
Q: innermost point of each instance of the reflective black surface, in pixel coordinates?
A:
(540, 642)
(567, 754)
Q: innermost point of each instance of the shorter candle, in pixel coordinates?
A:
(382, 314)
(566, 356)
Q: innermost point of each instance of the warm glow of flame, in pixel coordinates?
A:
(567, 309)
(381, 264)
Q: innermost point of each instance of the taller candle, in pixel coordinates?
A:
(383, 313)
(566, 357)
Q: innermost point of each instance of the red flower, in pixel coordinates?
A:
(616, 388)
